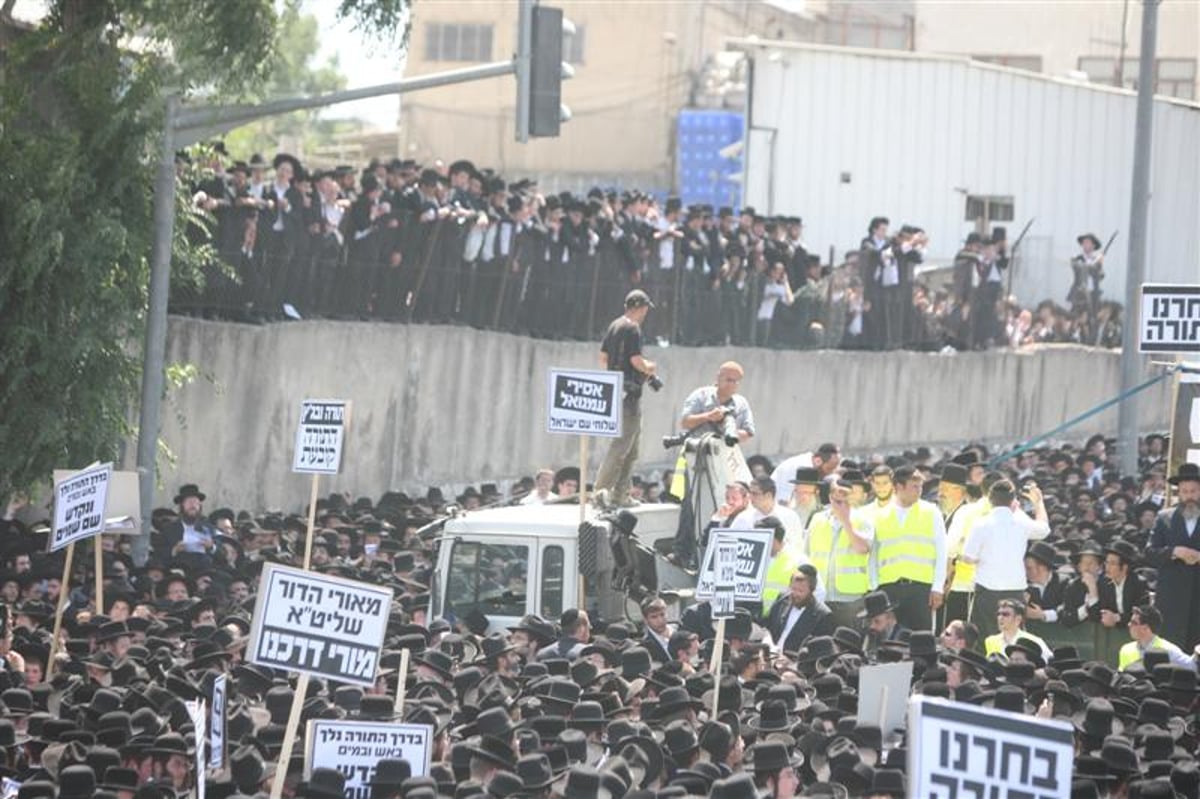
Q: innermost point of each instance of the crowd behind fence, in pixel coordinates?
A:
(400, 245)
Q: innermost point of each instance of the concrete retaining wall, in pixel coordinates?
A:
(448, 405)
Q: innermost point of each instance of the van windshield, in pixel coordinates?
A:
(490, 578)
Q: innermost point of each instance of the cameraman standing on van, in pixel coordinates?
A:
(621, 351)
(707, 408)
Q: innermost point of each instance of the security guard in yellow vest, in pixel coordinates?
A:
(908, 554)
(839, 546)
(783, 564)
(1010, 618)
(1144, 622)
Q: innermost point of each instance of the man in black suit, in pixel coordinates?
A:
(879, 613)
(658, 631)
(798, 615)
(190, 538)
(1118, 595)
(1045, 594)
(1175, 551)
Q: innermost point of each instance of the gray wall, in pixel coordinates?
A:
(448, 406)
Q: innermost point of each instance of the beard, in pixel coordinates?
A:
(1190, 508)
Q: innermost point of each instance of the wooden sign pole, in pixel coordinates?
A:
(583, 470)
(289, 736)
(98, 546)
(312, 521)
(401, 679)
(64, 592)
(715, 666)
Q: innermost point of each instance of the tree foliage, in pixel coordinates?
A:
(80, 116)
(292, 71)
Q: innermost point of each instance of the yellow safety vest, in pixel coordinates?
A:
(906, 551)
(850, 567)
(778, 578)
(994, 644)
(964, 573)
(1130, 653)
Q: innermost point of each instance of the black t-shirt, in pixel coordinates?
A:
(622, 342)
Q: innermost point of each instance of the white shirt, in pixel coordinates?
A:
(785, 473)
(997, 544)
(666, 245)
(794, 538)
(794, 614)
(532, 498)
(773, 293)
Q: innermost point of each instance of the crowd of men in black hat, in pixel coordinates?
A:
(460, 244)
(573, 706)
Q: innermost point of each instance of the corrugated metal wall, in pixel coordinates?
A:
(917, 133)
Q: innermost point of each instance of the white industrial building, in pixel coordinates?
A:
(838, 135)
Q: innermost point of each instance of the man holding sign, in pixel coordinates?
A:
(621, 351)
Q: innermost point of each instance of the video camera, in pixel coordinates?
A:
(729, 431)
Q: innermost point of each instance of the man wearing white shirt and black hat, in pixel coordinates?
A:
(996, 545)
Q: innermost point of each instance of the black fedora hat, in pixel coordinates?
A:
(535, 772)
(680, 739)
(1123, 549)
(806, 475)
(1098, 720)
(1096, 243)
(737, 786)
(875, 604)
(955, 474)
(1186, 472)
(771, 756)
(189, 490)
(1043, 553)
(494, 751)
(773, 717)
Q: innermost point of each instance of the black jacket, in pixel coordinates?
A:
(815, 620)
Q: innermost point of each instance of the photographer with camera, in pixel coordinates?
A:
(719, 409)
(621, 351)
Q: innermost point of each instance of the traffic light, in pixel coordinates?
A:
(545, 72)
(541, 70)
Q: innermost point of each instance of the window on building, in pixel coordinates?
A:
(458, 42)
(1103, 69)
(552, 582)
(1175, 77)
(1029, 63)
(573, 45)
(989, 208)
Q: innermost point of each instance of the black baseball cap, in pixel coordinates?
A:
(637, 298)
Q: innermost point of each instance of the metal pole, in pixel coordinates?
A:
(155, 349)
(523, 62)
(1139, 209)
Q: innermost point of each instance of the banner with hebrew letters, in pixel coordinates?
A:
(958, 750)
(319, 625)
(753, 553)
(356, 747)
(321, 436)
(1170, 318)
(584, 402)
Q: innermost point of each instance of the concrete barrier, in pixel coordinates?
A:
(449, 405)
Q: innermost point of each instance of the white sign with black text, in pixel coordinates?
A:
(1170, 320)
(321, 436)
(80, 505)
(356, 747)
(319, 625)
(752, 554)
(584, 403)
(724, 591)
(956, 749)
(216, 724)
